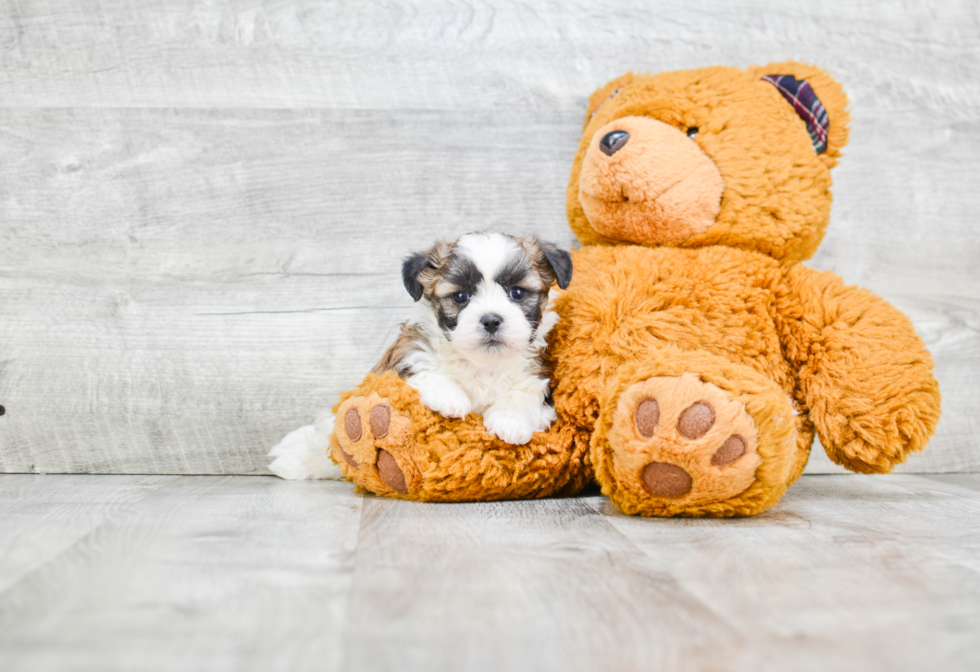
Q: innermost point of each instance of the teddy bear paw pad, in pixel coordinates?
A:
(373, 439)
(681, 439)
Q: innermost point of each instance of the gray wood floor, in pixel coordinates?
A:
(203, 204)
(251, 573)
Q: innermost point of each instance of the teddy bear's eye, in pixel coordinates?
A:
(692, 131)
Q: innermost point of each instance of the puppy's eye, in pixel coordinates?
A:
(517, 293)
(692, 131)
(461, 297)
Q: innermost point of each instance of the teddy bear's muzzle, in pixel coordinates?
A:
(646, 182)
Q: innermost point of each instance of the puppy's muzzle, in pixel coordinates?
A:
(491, 322)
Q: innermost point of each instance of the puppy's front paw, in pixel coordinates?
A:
(446, 400)
(508, 425)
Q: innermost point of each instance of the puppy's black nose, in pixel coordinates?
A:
(491, 322)
(613, 141)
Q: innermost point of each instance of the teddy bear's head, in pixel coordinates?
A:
(717, 156)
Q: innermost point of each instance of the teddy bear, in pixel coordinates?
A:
(695, 356)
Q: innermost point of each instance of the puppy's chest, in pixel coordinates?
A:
(484, 386)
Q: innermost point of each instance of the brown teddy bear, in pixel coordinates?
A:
(695, 357)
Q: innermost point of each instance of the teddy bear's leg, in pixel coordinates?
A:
(865, 374)
(387, 442)
(373, 439)
(368, 433)
(697, 435)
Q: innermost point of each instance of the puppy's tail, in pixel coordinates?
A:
(305, 453)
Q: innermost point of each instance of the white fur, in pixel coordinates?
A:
(303, 453)
(504, 389)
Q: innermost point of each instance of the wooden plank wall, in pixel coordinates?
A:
(203, 204)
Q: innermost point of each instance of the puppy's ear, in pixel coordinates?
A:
(560, 262)
(421, 266)
(411, 270)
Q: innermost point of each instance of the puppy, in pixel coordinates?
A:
(474, 345)
(476, 341)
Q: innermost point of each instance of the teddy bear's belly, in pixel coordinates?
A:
(625, 302)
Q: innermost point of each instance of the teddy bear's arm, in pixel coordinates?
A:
(864, 373)
(388, 442)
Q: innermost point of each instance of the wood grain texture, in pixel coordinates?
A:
(42, 517)
(242, 573)
(203, 206)
(212, 573)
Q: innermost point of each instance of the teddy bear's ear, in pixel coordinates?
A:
(818, 100)
(607, 92)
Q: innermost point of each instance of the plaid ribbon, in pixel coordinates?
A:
(803, 99)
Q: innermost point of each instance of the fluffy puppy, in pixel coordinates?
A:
(476, 341)
(474, 345)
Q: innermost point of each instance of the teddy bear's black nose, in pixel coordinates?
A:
(613, 141)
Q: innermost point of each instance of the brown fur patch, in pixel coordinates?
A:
(439, 257)
(537, 251)
(539, 264)
(407, 341)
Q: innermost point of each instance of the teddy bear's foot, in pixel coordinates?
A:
(685, 439)
(371, 441)
(677, 445)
